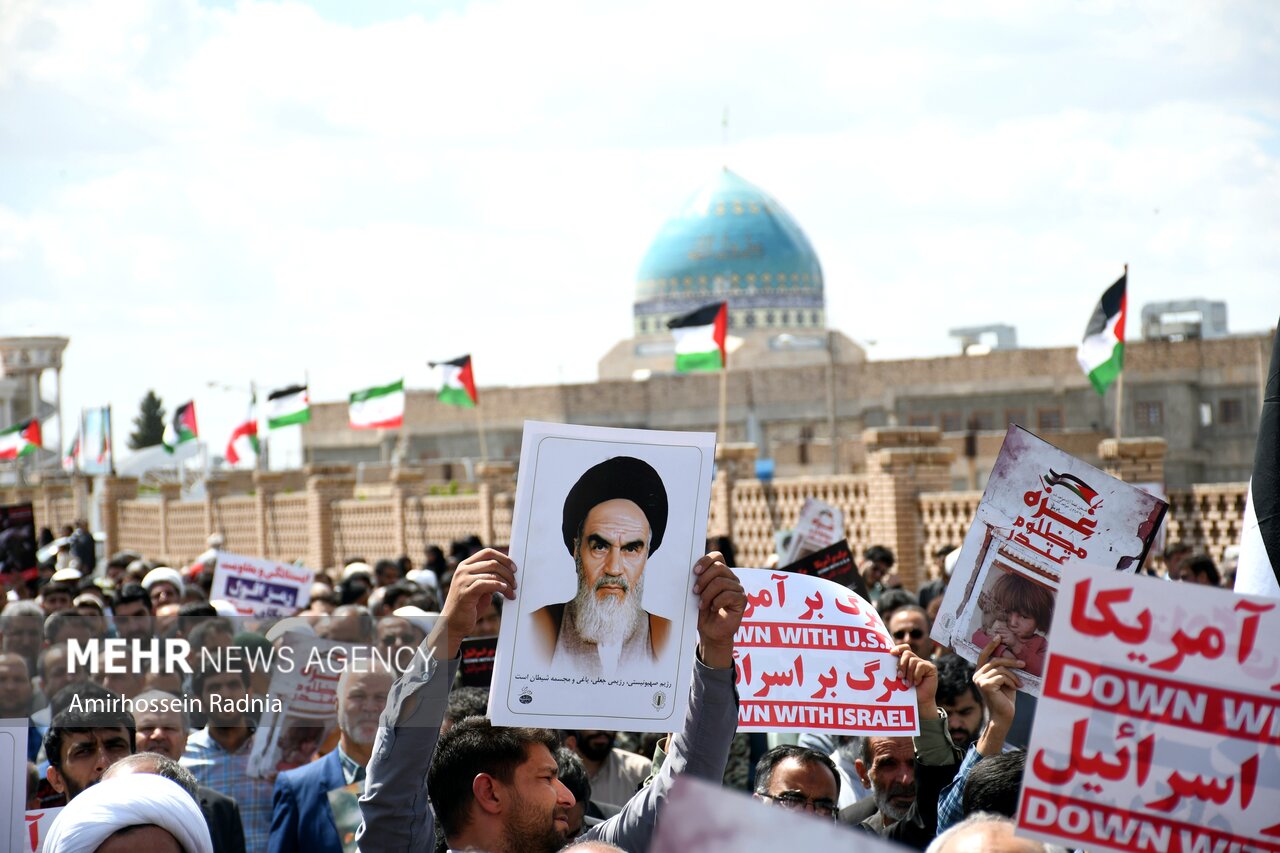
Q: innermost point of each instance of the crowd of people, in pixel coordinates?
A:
(435, 774)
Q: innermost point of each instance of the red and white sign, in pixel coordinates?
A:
(36, 828)
(812, 656)
(1158, 726)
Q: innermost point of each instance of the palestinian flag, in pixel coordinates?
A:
(244, 439)
(182, 427)
(457, 384)
(700, 338)
(288, 406)
(381, 407)
(20, 439)
(1101, 353)
(1258, 572)
(72, 460)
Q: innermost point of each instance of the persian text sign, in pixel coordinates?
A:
(308, 694)
(812, 656)
(262, 589)
(1044, 514)
(1159, 719)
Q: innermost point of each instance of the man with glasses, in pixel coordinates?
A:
(798, 779)
(910, 624)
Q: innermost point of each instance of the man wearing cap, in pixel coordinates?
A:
(164, 586)
(614, 519)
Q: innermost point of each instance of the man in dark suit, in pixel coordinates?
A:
(162, 728)
(613, 521)
(302, 818)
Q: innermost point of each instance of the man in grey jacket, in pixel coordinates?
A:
(497, 790)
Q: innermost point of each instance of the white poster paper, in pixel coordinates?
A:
(1159, 724)
(1044, 515)
(606, 528)
(713, 819)
(261, 589)
(820, 525)
(307, 688)
(37, 827)
(13, 783)
(811, 656)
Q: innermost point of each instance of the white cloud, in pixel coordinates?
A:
(201, 192)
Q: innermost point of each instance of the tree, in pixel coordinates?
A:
(148, 426)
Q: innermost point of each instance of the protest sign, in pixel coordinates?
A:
(812, 656)
(37, 827)
(305, 681)
(713, 819)
(1043, 516)
(820, 525)
(834, 563)
(261, 589)
(1159, 721)
(606, 528)
(478, 654)
(13, 783)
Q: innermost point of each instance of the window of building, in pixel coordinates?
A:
(952, 422)
(751, 319)
(1014, 416)
(920, 420)
(1206, 414)
(982, 420)
(768, 318)
(1048, 419)
(1148, 414)
(1231, 410)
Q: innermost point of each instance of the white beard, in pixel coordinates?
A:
(610, 620)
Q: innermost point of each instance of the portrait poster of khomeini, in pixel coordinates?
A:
(606, 527)
(614, 519)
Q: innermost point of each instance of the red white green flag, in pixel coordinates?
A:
(1101, 353)
(457, 383)
(244, 439)
(700, 337)
(181, 427)
(380, 407)
(20, 439)
(72, 460)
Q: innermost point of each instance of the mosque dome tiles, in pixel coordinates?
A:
(731, 241)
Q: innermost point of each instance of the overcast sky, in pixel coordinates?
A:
(262, 190)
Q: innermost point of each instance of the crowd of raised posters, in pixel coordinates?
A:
(1158, 723)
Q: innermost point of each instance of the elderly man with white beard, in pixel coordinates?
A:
(614, 519)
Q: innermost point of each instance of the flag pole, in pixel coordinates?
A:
(484, 445)
(1120, 378)
(724, 403)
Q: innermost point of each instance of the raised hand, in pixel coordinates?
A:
(475, 580)
(924, 675)
(721, 603)
(998, 682)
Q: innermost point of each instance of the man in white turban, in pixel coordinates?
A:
(127, 814)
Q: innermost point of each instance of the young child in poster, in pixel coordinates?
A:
(1018, 610)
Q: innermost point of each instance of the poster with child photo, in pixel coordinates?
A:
(1044, 515)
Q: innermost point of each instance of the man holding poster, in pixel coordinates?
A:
(606, 525)
(496, 789)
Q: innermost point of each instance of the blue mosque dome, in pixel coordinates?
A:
(731, 241)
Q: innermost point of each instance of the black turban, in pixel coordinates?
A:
(619, 478)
